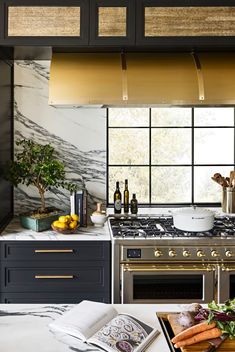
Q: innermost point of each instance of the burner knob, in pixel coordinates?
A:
(200, 253)
(172, 253)
(186, 253)
(214, 253)
(228, 253)
(158, 253)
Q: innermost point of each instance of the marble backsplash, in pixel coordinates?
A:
(78, 135)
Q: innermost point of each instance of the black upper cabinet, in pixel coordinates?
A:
(119, 24)
(194, 23)
(112, 22)
(6, 139)
(46, 22)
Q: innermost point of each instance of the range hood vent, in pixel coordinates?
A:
(141, 79)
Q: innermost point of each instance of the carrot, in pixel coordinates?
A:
(202, 336)
(193, 330)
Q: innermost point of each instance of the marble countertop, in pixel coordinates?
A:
(24, 327)
(14, 231)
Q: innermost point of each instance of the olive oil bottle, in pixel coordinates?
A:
(117, 200)
(134, 204)
(126, 198)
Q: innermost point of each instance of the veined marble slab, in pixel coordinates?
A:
(14, 232)
(24, 327)
(78, 136)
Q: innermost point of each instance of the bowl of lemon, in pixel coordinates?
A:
(66, 224)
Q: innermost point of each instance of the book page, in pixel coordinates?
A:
(124, 333)
(85, 319)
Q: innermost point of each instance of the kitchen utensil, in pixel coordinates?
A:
(215, 343)
(228, 200)
(193, 219)
(220, 180)
(98, 220)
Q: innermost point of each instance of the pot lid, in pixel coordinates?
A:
(194, 211)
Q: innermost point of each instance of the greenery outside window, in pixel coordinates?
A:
(169, 154)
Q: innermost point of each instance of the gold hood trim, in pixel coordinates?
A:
(139, 79)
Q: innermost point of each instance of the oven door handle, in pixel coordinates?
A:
(130, 268)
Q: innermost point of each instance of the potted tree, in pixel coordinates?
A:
(36, 164)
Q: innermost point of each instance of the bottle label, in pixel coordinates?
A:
(118, 204)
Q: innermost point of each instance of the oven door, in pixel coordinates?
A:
(226, 282)
(172, 283)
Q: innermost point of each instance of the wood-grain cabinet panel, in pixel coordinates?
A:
(42, 21)
(46, 22)
(189, 21)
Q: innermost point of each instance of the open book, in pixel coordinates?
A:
(101, 325)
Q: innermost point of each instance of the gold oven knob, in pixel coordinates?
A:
(158, 253)
(172, 253)
(214, 253)
(186, 253)
(200, 253)
(228, 253)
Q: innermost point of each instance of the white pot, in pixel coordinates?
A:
(193, 219)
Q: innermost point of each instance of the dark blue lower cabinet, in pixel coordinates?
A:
(53, 277)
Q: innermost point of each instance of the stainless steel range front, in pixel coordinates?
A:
(153, 262)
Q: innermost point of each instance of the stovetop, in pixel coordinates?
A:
(162, 227)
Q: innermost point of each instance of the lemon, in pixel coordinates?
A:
(75, 217)
(61, 225)
(63, 219)
(55, 223)
(69, 218)
(73, 224)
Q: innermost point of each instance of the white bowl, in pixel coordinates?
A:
(98, 220)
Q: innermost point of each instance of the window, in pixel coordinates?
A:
(168, 155)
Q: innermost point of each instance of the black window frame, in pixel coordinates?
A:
(192, 165)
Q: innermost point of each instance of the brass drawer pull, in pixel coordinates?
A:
(53, 251)
(53, 276)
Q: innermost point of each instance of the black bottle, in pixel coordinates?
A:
(134, 205)
(117, 200)
(126, 198)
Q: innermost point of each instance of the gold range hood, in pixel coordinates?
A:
(141, 79)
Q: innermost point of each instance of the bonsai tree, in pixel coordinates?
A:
(36, 164)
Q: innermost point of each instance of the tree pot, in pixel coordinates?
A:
(40, 224)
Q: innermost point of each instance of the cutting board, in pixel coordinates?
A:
(227, 346)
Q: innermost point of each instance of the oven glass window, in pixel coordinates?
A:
(169, 154)
(167, 286)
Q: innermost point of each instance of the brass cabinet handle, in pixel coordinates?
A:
(53, 276)
(53, 251)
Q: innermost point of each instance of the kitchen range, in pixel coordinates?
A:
(154, 262)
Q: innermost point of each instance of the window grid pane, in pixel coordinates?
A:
(166, 153)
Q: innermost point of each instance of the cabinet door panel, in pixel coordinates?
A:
(6, 140)
(112, 22)
(42, 21)
(57, 252)
(44, 278)
(55, 297)
(47, 22)
(184, 22)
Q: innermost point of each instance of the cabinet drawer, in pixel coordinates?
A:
(43, 278)
(57, 297)
(56, 251)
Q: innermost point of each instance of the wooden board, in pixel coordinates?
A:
(227, 346)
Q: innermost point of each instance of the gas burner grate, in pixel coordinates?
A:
(162, 227)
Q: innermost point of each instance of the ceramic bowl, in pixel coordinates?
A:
(98, 220)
